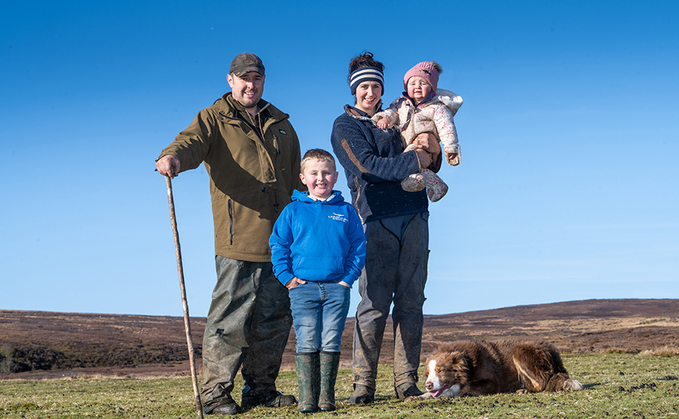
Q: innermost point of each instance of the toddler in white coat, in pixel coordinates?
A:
(424, 108)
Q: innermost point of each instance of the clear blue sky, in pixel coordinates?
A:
(568, 187)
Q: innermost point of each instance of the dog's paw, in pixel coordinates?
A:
(522, 391)
(423, 396)
(572, 385)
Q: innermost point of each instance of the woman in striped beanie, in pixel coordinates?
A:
(396, 228)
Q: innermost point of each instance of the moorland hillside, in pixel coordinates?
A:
(38, 344)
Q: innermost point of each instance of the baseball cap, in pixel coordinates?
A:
(245, 63)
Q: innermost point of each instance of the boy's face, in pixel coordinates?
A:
(418, 88)
(319, 177)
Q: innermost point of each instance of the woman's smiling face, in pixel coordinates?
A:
(368, 95)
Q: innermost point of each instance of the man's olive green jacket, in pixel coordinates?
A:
(251, 179)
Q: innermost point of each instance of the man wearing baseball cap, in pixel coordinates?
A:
(252, 156)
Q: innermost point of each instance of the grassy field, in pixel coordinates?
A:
(616, 386)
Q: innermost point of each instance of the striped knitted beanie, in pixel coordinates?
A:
(365, 74)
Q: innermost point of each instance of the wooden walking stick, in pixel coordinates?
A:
(185, 304)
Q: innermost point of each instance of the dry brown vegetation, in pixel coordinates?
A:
(49, 345)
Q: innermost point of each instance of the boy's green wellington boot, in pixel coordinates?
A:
(308, 381)
(329, 366)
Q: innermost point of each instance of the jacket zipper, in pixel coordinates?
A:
(275, 145)
(230, 210)
(358, 195)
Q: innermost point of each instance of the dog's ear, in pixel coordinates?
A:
(459, 361)
(455, 357)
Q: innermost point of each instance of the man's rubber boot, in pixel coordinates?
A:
(362, 395)
(223, 406)
(406, 390)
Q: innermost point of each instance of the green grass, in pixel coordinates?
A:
(616, 386)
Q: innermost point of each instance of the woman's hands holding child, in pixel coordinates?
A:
(427, 148)
(427, 141)
(424, 158)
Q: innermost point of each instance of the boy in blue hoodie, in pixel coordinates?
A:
(318, 251)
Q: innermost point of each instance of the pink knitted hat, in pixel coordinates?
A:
(425, 70)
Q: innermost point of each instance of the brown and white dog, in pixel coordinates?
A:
(478, 367)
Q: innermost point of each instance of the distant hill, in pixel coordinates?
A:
(49, 344)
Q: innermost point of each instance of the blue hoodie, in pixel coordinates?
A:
(321, 241)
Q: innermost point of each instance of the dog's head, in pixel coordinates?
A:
(446, 374)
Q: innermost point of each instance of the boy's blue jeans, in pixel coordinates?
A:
(319, 312)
